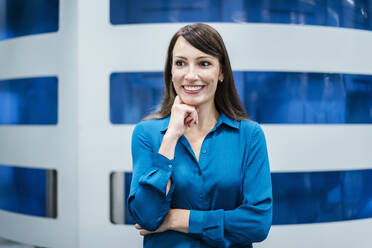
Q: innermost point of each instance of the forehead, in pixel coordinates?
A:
(183, 48)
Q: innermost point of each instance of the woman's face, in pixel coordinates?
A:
(194, 74)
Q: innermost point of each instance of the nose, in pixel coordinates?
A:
(191, 74)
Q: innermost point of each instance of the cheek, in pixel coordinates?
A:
(176, 78)
(211, 77)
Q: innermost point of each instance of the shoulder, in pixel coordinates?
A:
(252, 131)
(150, 128)
(250, 127)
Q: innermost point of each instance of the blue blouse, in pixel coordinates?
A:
(228, 191)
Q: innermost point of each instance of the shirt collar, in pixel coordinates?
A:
(222, 119)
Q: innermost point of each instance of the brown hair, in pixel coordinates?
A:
(206, 39)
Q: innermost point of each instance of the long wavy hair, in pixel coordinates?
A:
(206, 39)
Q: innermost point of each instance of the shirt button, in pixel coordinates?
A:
(204, 151)
(201, 196)
(169, 166)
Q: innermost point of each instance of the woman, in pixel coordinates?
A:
(201, 175)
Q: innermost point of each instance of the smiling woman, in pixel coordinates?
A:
(201, 174)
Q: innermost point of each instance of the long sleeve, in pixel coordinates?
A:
(250, 222)
(148, 202)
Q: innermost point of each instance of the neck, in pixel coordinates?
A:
(208, 117)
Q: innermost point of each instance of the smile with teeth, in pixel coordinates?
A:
(193, 87)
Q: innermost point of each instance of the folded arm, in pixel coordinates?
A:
(151, 189)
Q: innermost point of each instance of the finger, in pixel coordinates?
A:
(188, 119)
(145, 232)
(177, 100)
(190, 123)
(191, 111)
(138, 227)
(188, 108)
(195, 116)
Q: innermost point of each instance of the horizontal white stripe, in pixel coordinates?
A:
(253, 47)
(342, 234)
(35, 231)
(31, 56)
(113, 236)
(40, 146)
(291, 147)
(319, 147)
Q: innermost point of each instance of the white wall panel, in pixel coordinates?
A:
(355, 233)
(319, 147)
(55, 147)
(253, 47)
(31, 56)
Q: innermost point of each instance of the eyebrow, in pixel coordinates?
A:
(200, 57)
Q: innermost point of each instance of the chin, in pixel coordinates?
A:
(190, 100)
(191, 103)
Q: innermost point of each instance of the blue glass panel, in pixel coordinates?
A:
(29, 101)
(134, 11)
(19, 17)
(338, 13)
(134, 95)
(23, 190)
(313, 197)
(282, 97)
(269, 97)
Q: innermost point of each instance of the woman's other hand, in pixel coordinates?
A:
(176, 220)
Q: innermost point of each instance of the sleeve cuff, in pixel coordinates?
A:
(196, 222)
(162, 162)
(207, 225)
(158, 175)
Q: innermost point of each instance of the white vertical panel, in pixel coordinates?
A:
(52, 54)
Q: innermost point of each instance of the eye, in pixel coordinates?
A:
(179, 63)
(205, 63)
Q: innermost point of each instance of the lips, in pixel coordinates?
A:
(192, 89)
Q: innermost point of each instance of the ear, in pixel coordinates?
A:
(221, 77)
